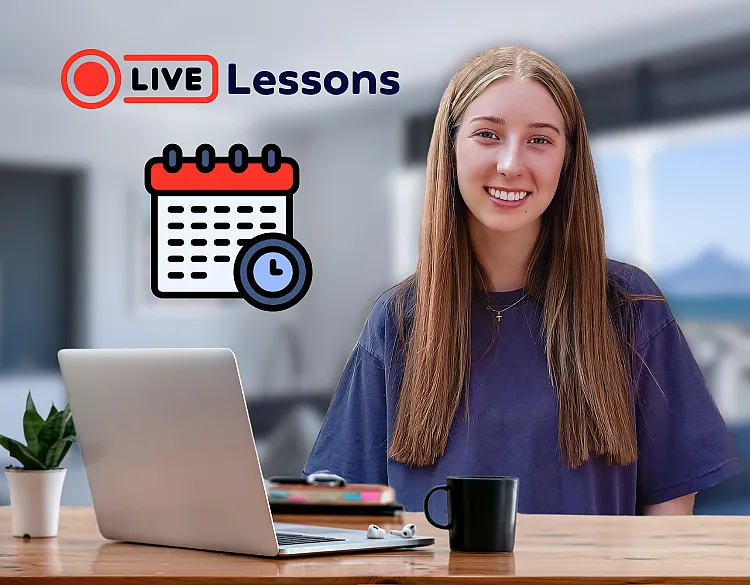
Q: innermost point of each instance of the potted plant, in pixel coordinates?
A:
(36, 486)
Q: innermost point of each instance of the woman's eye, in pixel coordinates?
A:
(485, 134)
(541, 138)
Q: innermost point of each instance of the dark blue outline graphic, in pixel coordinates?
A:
(238, 160)
(251, 253)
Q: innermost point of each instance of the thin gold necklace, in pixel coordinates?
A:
(499, 312)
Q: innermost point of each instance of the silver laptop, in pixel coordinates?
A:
(171, 460)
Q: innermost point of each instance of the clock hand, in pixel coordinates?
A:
(274, 270)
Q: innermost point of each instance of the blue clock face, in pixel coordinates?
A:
(273, 272)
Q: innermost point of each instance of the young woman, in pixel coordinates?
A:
(517, 347)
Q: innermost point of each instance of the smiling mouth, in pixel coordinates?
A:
(507, 195)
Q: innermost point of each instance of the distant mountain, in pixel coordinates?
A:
(711, 273)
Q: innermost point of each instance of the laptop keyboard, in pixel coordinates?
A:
(289, 539)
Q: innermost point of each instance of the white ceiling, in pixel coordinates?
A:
(424, 41)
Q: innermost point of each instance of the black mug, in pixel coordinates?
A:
(482, 512)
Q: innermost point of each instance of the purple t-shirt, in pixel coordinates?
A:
(683, 442)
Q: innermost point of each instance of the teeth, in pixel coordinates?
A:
(507, 195)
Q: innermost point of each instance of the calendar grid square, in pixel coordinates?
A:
(199, 234)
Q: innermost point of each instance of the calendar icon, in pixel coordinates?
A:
(222, 227)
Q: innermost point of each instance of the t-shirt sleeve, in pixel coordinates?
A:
(352, 439)
(684, 445)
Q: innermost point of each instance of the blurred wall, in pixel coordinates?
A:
(342, 217)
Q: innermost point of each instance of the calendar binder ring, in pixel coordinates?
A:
(271, 158)
(172, 155)
(205, 158)
(238, 158)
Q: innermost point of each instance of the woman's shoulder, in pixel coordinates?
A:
(634, 279)
(653, 314)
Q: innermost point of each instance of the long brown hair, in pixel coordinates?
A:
(587, 314)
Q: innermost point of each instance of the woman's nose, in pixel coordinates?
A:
(509, 159)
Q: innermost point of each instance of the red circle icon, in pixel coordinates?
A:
(91, 78)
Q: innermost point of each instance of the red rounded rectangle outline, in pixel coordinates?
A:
(181, 99)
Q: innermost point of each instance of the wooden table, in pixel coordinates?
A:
(549, 549)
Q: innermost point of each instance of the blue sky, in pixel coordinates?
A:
(701, 199)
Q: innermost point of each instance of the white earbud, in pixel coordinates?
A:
(407, 531)
(374, 531)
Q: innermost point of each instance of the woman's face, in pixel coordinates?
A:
(510, 142)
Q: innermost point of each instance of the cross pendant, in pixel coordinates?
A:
(498, 317)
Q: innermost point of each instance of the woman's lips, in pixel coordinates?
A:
(507, 204)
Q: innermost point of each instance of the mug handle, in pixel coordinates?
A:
(427, 508)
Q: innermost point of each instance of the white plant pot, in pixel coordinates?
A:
(35, 501)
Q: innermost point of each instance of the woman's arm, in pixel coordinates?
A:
(678, 507)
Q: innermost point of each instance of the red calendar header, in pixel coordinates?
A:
(236, 172)
(222, 178)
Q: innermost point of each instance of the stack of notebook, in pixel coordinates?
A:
(365, 499)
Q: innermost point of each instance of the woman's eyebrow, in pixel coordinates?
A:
(501, 121)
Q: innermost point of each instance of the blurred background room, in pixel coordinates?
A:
(664, 84)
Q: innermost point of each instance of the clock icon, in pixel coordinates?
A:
(273, 272)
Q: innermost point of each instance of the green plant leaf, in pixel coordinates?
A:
(57, 453)
(70, 430)
(68, 418)
(32, 423)
(20, 452)
(52, 431)
(5, 441)
(30, 403)
(52, 410)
